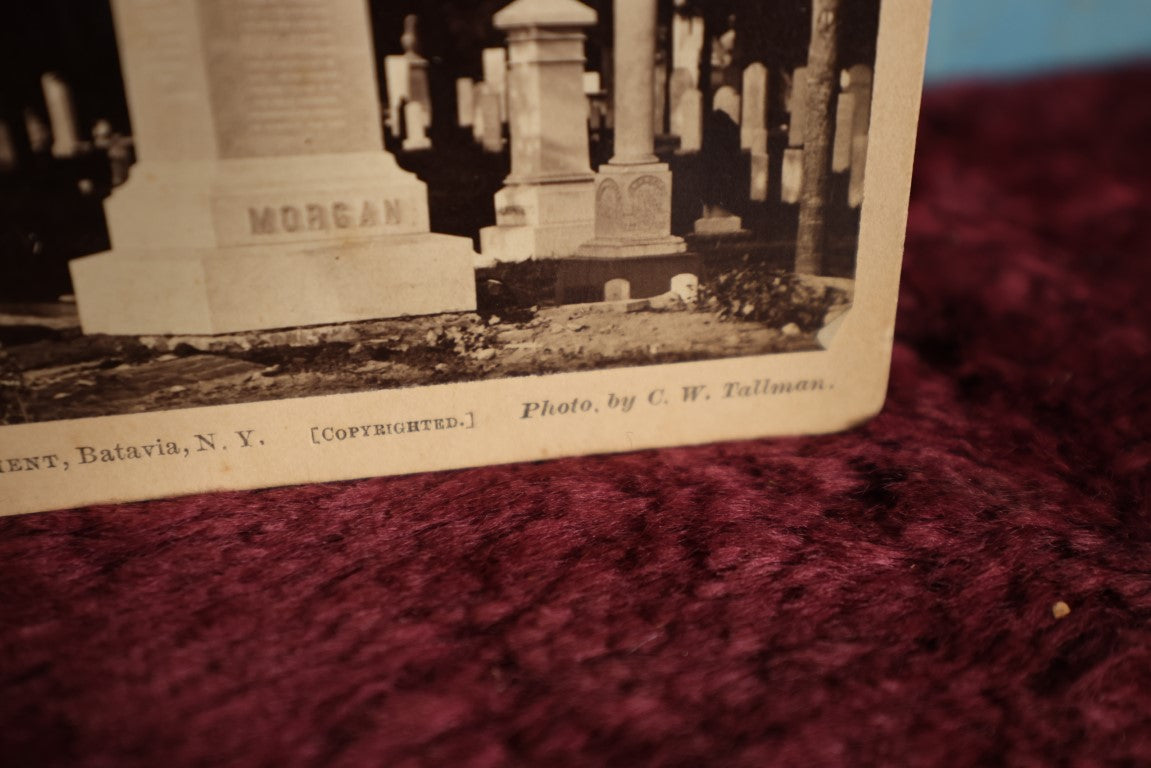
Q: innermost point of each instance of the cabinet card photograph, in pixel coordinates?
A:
(247, 243)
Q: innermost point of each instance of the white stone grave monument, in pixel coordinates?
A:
(465, 102)
(726, 100)
(633, 239)
(547, 205)
(797, 107)
(415, 128)
(487, 121)
(495, 64)
(262, 198)
(791, 178)
(844, 132)
(687, 37)
(419, 86)
(754, 117)
(62, 115)
(396, 81)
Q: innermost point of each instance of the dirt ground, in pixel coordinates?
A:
(49, 370)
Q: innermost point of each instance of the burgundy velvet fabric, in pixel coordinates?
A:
(879, 597)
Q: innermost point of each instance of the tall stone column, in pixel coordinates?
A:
(547, 206)
(263, 196)
(633, 239)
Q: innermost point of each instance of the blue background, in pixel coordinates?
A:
(996, 38)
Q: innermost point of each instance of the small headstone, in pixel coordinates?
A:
(478, 112)
(397, 80)
(495, 63)
(62, 113)
(687, 121)
(797, 106)
(760, 168)
(686, 286)
(415, 128)
(679, 83)
(591, 83)
(727, 101)
(617, 290)
(844, 132)
(465, 102)
(754, 103)
(7, 149)
(858, 171)
(791, 179)
(39, 137)
(492, 137)
(717, 220)
(857, 81)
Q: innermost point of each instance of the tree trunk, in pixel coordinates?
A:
(822, 79)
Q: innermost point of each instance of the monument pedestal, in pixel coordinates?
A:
(208, 291)
(540, 220)
(632, 240)
(546, 207)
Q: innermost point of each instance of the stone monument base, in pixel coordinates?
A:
(720, 226)
(540, 220)
(582, 280)
(209, 291)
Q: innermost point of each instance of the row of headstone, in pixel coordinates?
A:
(849, 146)
(483, 106)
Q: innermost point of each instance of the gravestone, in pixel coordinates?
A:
(754, 117)
(617, 289)
(679, 83)
(726, 100)
(791, 178)
(465, 102)
(591, 83)
(396, 81)
(797, 106)
(478, 111)
(8, 158)
(633, 193)
(659, 115)
(419, 89)
(62, 114)
(415, 128)
(687, 36)
(686, 286)
(844, 132)
(546, 207)
(495, 65)
(760, 170)
(262, 199)
(858, 171)
(488, 122)
(687, 121)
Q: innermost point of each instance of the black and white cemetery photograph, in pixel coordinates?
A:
(210, 202)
